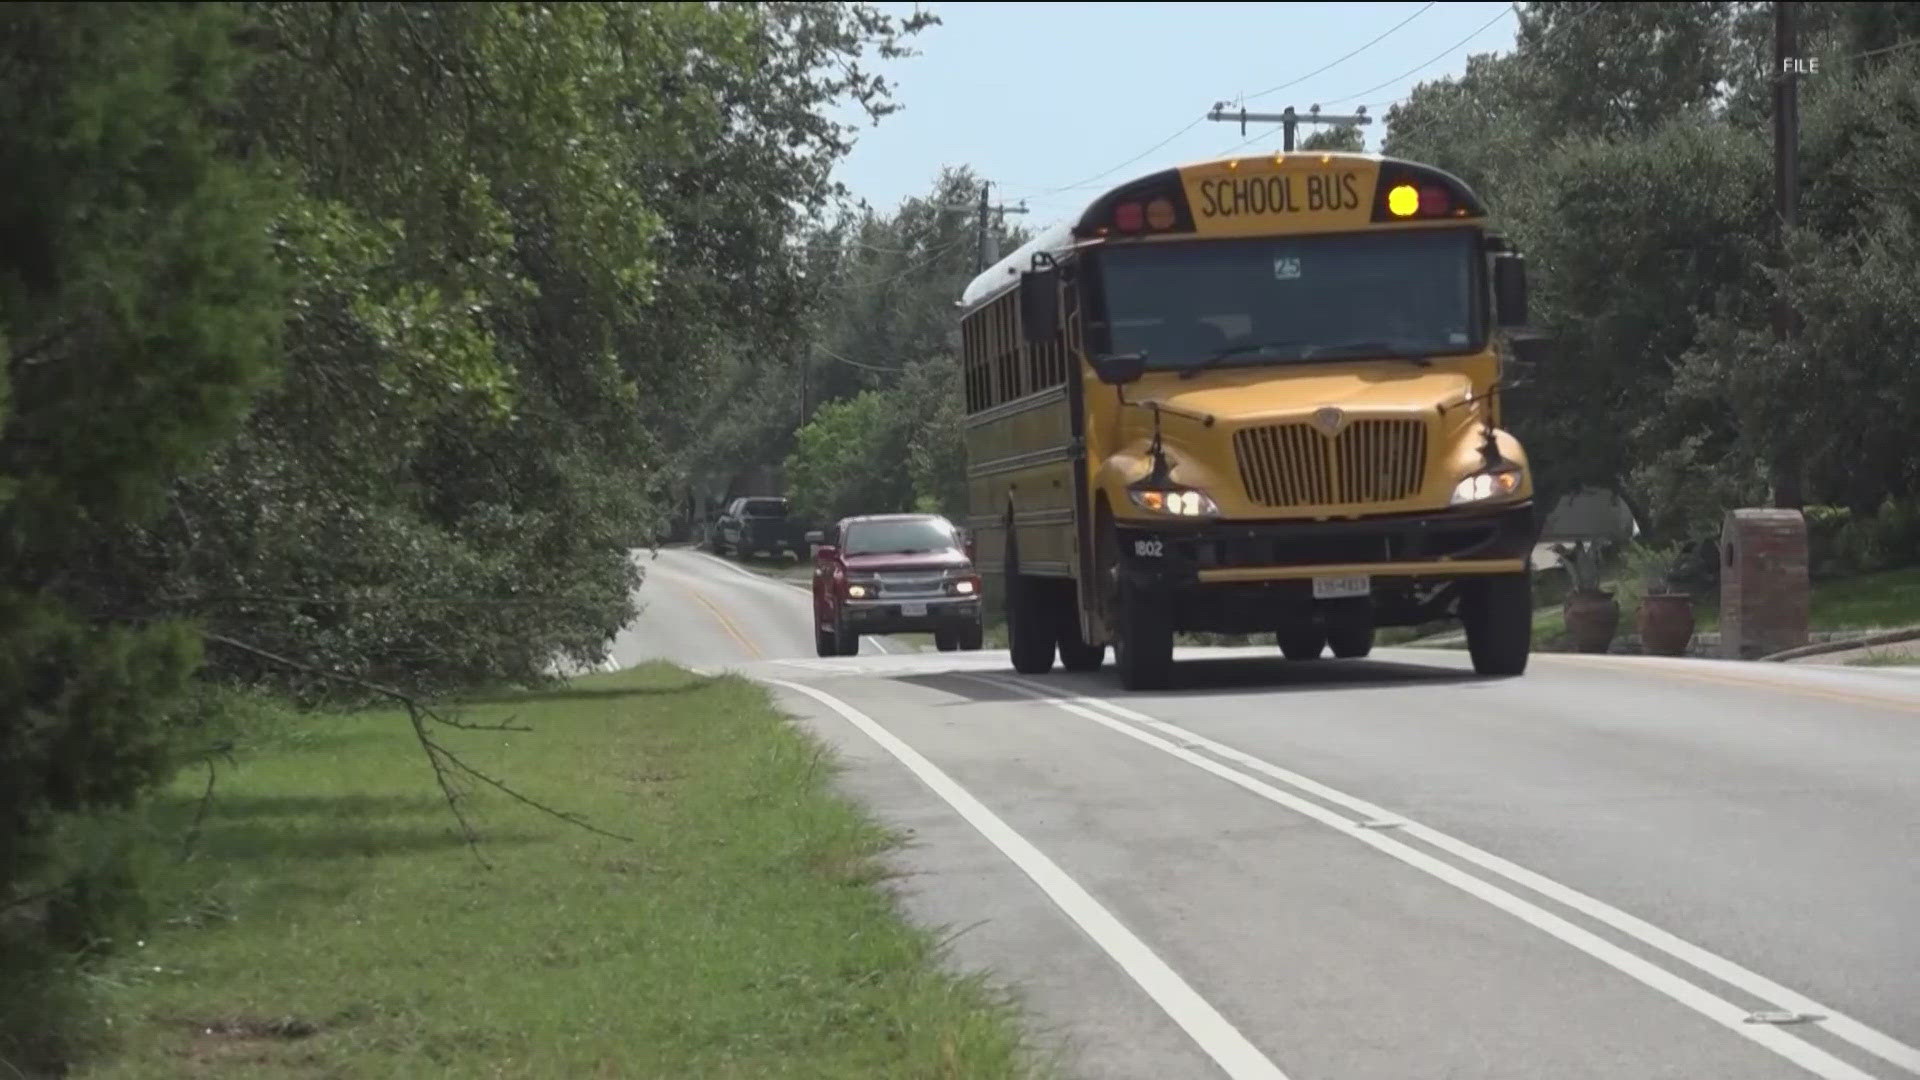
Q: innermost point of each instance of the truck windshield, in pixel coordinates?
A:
(1238, 303)
(899, 537)
(765, 508)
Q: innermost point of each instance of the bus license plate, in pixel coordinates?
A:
(913, 611)
(1336, 588)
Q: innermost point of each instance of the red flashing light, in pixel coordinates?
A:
(1129, 217)
(1434, 201)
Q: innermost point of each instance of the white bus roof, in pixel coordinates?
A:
(1005, 274)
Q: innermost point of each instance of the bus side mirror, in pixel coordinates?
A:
(1120, 368)
(1039, 306)
(1510, 289)
(1533, 351)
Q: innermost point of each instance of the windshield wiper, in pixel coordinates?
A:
(1383, 349)
(1230, 351)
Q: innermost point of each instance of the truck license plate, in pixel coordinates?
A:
(1335, 588)
(913, 611)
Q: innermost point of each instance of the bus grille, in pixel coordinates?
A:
(1370, 461)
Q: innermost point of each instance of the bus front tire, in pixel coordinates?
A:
(1075, 653)
(1497, 613)
(847, 642)
(1144, 650)
(1030, 630)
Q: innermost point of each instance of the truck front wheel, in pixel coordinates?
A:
(1497, 613)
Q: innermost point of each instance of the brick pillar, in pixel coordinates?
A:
(1764, 589)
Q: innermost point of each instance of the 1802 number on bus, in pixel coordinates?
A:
(1147, 549)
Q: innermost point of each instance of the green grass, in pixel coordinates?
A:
(1883, 601)
(334, 923)
(1880, 601)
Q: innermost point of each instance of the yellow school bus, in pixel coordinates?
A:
(1252, 395)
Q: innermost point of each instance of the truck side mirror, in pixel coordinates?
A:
(1039, 306)
(816, 537)
(1510, 289)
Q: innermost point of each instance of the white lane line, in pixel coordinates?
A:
(1699, 999)
(1220, 1039)
(1837, 1023)
(763, 579)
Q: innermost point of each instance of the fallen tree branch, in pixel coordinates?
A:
(353, 680)
(447, 766)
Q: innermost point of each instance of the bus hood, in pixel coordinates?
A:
(1255, 395)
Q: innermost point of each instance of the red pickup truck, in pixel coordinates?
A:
(894, 574)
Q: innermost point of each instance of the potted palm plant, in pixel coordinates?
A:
(1591, 613)
(1665, 615)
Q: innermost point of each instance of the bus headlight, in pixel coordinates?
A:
(1176, 502)
(1486, 485)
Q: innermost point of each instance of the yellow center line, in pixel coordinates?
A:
(1875, 700)
(725, 623)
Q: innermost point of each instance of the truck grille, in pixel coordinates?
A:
(1370, 461)
(912, 584)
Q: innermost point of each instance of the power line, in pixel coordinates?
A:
(1895, 47)
(1344, 59)
(1436, 58)
(1197, 121)
(1523, 58)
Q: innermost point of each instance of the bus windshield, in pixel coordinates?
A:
(1277, 300)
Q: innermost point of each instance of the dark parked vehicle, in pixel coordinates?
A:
(759, 525)
(894, 574)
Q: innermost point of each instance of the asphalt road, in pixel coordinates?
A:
(1611, 867)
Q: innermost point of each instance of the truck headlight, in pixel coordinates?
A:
(1486, 485)
(1177, 502)
(859, 592)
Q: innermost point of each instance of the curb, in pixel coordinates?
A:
(1888, 637)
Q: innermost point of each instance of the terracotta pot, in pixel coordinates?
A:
(1592, 620)
(1666, 623)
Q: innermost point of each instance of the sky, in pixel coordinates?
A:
(1049, 101)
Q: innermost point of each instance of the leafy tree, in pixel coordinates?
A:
(1345, 137)
(139, 312)
(852, 458)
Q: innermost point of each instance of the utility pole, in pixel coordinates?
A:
(986, 241)
(1288, 119)
(1787, 68)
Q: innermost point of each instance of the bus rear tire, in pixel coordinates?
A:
(1303, 643)
(1497, 613)
(1030, 626)
(1350, 642)
(1143, 652)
